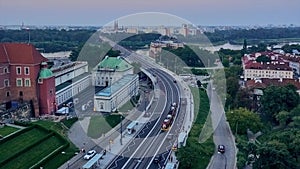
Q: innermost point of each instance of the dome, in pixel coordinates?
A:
(45, 73)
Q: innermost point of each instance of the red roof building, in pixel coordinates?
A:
(20, 66)
(276, 68)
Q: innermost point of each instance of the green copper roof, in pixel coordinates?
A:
(45, 73)
(114, 63)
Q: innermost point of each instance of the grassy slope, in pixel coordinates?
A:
(200, 153)
(100, 125)
(6, 130)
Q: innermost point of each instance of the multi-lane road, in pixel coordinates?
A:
(151, 141)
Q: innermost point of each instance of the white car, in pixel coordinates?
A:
(90, 154)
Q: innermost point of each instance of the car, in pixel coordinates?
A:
(90, 154)
(221, 149)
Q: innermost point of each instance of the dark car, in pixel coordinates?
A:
(221, 149)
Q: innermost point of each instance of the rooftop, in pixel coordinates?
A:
(277, 61)
(114, 64)
(45, 73)
(20, 53)
(264, 82)
(108, 91)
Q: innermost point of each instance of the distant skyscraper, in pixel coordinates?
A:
(184, 30)
(116, 25)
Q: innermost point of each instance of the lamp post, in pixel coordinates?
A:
(121, 129)
(145, 101)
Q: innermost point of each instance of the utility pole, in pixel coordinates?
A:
(121, 129)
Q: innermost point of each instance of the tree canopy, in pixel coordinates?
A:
(276, 99)
(242, 119)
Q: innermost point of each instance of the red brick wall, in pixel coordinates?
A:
(29, 93)
(47, 96)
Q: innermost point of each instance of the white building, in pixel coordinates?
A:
(113, 97)
(70, 79)
(110, 70)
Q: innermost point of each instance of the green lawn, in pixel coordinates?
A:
(60, 159)
(68, 123)
(6, 130)
(50, 125)
(127, 106)
(28, 148)
(100, 125)
(34, 155)
(15, 145)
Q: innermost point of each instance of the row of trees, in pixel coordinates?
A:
(256, 34)
(48, 40)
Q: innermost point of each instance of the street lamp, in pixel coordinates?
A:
(145, 101)
(121, 129)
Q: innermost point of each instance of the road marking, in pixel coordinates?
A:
(146, 136)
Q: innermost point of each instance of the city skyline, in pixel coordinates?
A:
(95, 13)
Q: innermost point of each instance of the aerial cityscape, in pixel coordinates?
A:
(113, 85)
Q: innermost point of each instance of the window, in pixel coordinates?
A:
(27, 83)
(26, 70)
(40, 81)
(6, 70)
(18, 70)
(19, 82)
(20, 93)
(7, 93)
(6, 83)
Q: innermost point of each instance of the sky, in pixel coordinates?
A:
(101, 12)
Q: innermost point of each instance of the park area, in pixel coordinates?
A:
(34, 146)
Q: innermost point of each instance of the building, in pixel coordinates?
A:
(294, 62)
(71, 78)
(110, 70)
(46, 90)
(276, 68)
(116, 75)
(184, 30)
(156, 46)
(25, 78)
(113, 97)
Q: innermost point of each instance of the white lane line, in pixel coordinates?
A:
(146, 136)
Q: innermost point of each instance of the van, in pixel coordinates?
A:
(63, 111)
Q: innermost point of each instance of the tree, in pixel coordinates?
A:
(242, 119)
(276, 99)
(274, 155)
(242, 99)
(244, 50)
(199, 84)
(263, 58)
(282, 117)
